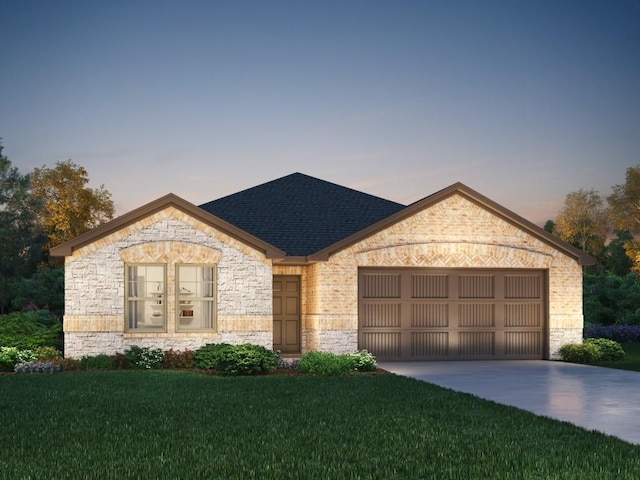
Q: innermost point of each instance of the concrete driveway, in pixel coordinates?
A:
(594, 398)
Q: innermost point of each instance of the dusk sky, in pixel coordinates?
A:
(523, 101)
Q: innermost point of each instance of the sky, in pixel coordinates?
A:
(523, 101)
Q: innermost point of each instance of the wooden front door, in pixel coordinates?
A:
(286, 313)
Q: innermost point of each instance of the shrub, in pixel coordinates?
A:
(610, 350)
(245, 359)
(120, 361)
(363, 361)
(177, 359)
(96, 362)
(68, 364)
(30, 329)
(580, 353)
(11, 356)
(144, 357)
(207, 356)
(325, 363)
(619, 333)
(37, 367)
(47, 353)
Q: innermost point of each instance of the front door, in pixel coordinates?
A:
(286, 313)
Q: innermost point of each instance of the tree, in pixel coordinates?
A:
(45, 289)
(550, 226)
(20, 239)
(616, 257)
(70, 208)
(583, 221)
(624, 203)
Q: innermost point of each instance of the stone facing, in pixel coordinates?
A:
(94, 285)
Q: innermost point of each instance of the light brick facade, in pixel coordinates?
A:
(452, 233)
(455, 233)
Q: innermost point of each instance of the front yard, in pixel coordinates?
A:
(176, 424)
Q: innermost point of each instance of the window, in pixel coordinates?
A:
(196, 297)
(145, 297)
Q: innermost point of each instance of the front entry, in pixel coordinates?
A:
(286, 313)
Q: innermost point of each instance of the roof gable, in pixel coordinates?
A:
(301, 214)
(169, 200)
(458, 188)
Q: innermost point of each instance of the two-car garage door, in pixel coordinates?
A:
(455, 314)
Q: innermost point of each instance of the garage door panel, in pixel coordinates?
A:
(382, 315)
(457, 314)
(522, 286)
(429, 286)
(429, 344)
(522, 343)
(381, 286)
(476, 344)
(429, 315)
(476, 315)
(522, 315)
(476, 286)
(385, 344)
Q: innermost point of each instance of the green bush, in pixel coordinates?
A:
(144, 357)
(11, 356)
(610, 350)
(96, 362)
(245, 359)
(580, 353)
(325, 363)
(47, 353)
(208, 356)
(28, 330)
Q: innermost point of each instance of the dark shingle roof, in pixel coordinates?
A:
(301, 214)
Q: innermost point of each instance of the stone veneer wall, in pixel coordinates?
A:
(94, 319)
(455, 233)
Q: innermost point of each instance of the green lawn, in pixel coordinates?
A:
(631, 359)
(172, 424)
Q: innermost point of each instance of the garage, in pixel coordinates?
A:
(452, 314)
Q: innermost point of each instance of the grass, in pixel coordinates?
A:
(172, 424)
(631, 359)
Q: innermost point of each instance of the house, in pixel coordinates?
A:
(300, 264)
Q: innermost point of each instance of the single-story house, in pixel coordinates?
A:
(300, 264)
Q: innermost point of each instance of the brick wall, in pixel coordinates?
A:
(455, 233)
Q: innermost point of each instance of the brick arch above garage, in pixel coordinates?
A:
(454, 255)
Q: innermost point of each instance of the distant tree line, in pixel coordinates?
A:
(606, 228)
(39, 210)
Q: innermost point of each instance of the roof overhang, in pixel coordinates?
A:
(170, 200)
